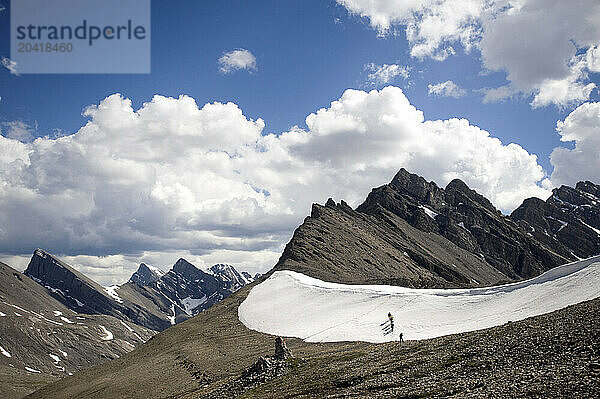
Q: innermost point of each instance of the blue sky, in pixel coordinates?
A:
(308, 53)
(211, 185)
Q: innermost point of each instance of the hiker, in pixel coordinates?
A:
(401, 338)
(391, 318)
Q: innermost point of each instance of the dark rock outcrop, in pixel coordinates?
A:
(568, 221)
(265, 369)
(281, 350)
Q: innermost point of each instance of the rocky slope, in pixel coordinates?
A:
(42, 339)
(551, 356)
(56, 321)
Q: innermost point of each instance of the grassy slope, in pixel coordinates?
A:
(16, 383)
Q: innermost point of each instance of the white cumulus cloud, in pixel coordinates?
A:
(173, 179)
(18, 130)
(446, 89)
(545, 47)
(236, 60)
(582, 127)
(380, 75)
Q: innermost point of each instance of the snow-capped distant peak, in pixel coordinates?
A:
(40, 252)
(229, 273)
(146, 274)
(154, 269)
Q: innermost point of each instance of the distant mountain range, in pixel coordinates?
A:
(151, 298)
(55, 321)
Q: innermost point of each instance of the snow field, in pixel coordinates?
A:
(294, 305)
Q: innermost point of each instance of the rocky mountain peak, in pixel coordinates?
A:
(531, 209)
(457, 218)
(185, 268)
(146, 275)
(415, 186)
(230, 276)
(68, 285)
(584, 194)
(44, 267)
(568, 221)
(458, 192)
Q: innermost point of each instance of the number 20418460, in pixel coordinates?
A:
(45, 47)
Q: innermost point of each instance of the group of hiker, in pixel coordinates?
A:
(391, 320)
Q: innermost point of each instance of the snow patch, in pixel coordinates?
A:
(591, 227)
(57, 313)
(563, 224)
(132, 331)
(2, 314)
(428, 211)
(156, 270)
(16, 307)
(107, 334)
(172, 318)
(112, 292)
(79, 303)
(54, 357)
(4, 352)
(56, 291)
(190, 303)
(294, 305)
(32, 370)
(63, 318)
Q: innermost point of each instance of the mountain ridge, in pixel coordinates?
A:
(393, 231)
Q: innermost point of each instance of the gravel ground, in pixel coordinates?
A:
(550, 356)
